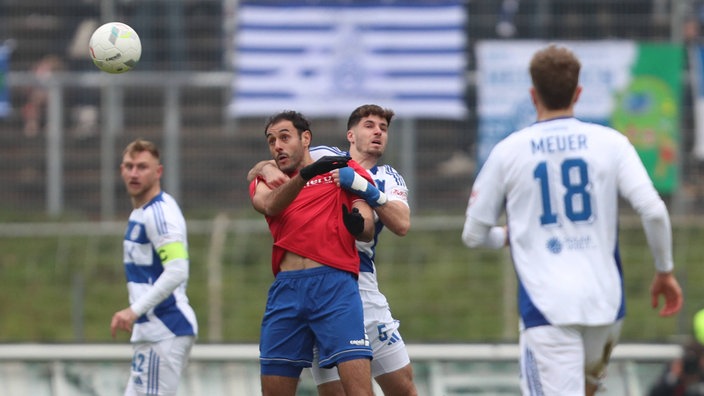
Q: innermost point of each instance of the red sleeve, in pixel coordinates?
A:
(253, 186)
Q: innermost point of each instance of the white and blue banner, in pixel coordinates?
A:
(4, 90)
(696, 61)
(325, 58)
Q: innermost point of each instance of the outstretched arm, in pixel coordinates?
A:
(271, 202)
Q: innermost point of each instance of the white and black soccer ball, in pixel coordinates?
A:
(115, 47)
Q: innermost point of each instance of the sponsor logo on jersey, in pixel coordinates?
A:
(579, 242)
(327, 179)
(400, 194)
(362, 342)
(555, 245)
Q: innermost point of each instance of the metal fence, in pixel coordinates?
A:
(232, 369)
(59, 145)
(206, 155)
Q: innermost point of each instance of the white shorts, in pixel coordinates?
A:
(388, 348)
(559, 360)
(157, 366)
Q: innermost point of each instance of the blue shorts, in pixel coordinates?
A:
(313, 307)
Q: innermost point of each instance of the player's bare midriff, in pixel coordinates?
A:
(294, 262)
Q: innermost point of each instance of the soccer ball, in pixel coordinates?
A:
(115, 47)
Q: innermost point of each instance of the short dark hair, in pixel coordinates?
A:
(299, 121)
(554, 71)
(139, 145)
(367, 110)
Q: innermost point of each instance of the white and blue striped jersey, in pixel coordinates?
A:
(559, 181)
(387, 180)
(157, 223)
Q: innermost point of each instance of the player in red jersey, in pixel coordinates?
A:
(314, 300)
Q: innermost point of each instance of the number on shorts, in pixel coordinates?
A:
(138, 362)
(382, 332)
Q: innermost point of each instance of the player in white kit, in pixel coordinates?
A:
(162, 323)
(367, 134)
(559, 182)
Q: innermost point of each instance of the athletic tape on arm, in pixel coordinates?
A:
(354, 182)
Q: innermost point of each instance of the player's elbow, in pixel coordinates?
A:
(397, 218)
(365, 238)
(176, 271)
(474, 234)
(656, 211)
(403, 231)
(267, 209)
(367, 235)
(471, 240)
(400, 228)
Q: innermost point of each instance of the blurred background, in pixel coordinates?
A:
(455, 72)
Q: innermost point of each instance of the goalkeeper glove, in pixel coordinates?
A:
(354, 222)
(352, 181)
(323, 165)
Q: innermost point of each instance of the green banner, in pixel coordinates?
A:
(648, 111)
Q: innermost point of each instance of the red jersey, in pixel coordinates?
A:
(312, 227)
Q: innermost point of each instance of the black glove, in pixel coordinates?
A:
(354, 222)
(323, 165)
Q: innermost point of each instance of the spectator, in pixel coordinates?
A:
(33, 111)
(683, 376)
